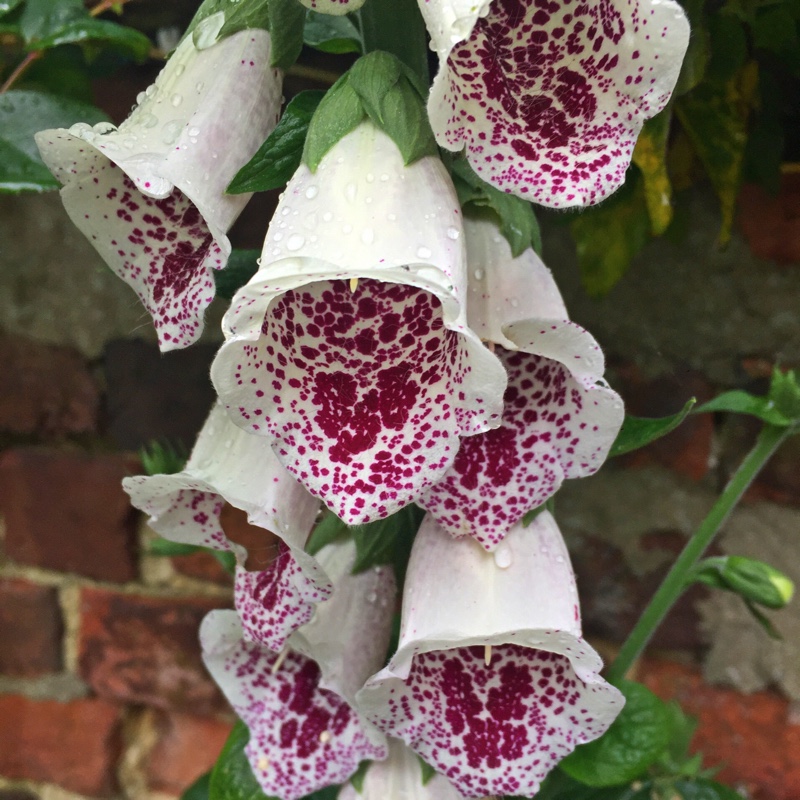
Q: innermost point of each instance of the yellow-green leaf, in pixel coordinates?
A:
(650, 155)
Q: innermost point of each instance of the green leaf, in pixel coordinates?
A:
(232, 778)
(775, 31)
(332, 34)
(241, 266)
(637, 432)
(42, 18)
(22, 113)
(754, 581)
(327, 530)
(167, 548)
(714, 115)
(236, 16)
(784, 392)
(693, 67)
(286, 21)
(608, 236)
(200, 789)
(357, 778)
(339, 112)
(162, 458)
(633, 742)
(280, 155)
(729, 47)
(704, 790)
(530, 516)
(108, 34)
(559, 786)
(8, 5)
(63, 72)
(390, 94)
(427, 771)
(386, 541)
(650, 155)
(741, 402)
(515, 216)
(226, 559)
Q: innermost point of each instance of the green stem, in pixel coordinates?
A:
(769, 439)
(397, 27)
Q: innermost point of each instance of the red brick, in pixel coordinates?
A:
(141, 649)
(66, 511)
(771, 224)
(30, 629)
(749, 735)
(75, 745)
(187, 747)
(688, 447)
(202, 566)
(45, 390)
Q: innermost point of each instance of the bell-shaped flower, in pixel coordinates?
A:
(492, 683)
(559, 418)
(548, 98)
(399, 777)
(150, 195)
(231, 466)
(349, 349)
(305, 731)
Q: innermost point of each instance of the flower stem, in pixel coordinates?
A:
(769, 439)
(20, 70)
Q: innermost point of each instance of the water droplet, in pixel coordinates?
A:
(370, 177)
(514, 302)
(176, 99)
(327, 216)
(453, 233)
(350, 192)
(179, 70)
(312, 192)
(200, 86)
(295, 241)
(423, 252)
(150, 90)
(172, 130)
(81, 127)
(277, 237)
(194, 131)
(104, 127)
(503, 557)
(347, 228)
(478, 274)
(149, 121)
(368, 236)
(385, 176)
(391, 217)
(140, 97)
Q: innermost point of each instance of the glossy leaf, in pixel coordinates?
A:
(8, 5)
(608, 236)
(327, 530)
(43, 18)
(650, 155)
(241, 266)
(332, 34)
(22, 113)
(232, 778)
(714, 115)
(108, 34)
(704, 790)
(237, 17)
(200, 789)
(637, 432)
(634, 741)
(387, 541)
(286, 22)
(280, 155)
(518, 223)
(559, 786)
(741, 402)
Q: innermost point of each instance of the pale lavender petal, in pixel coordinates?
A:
(549, 97)
(302, 737)
(150, 196)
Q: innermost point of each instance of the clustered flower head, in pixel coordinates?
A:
(394, 347)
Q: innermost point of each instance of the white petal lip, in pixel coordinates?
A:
(229, 465)
(399, 777)
(150, 196)
(333, 7)
(363, 215)
(302, 737)
(523, 602)
(550, 109)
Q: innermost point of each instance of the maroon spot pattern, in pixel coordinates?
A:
(492, 730)
(163, 248)
(549, 95)
(273, 603)
(302, 737)
(549, 422)
(357, 388)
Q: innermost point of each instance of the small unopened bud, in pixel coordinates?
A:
(752, 580)
(784, 392)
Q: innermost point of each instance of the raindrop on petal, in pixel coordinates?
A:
(295, 241)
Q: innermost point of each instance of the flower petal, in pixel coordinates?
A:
(302, 737)
(228, 465)
(559, 418)
(150, 196)
(549, 97)
(334, 7)
(364, 389)
(491, 728)
(399, 777)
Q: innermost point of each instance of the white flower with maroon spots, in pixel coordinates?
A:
(559, 417)
(399, 777)
(305, 731)
(229, 465)
(150, 195)
(549, 96)
(492, 683)
(349, 349)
